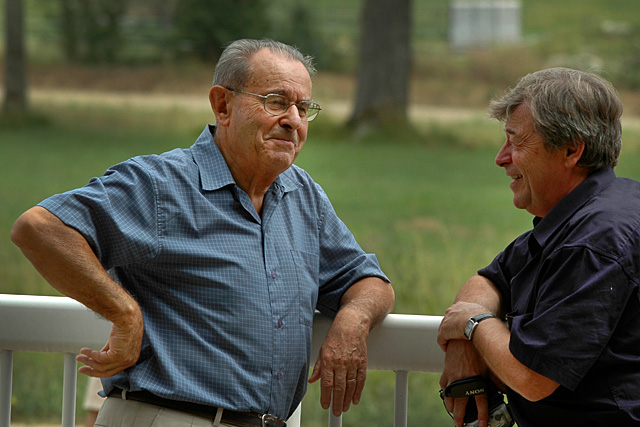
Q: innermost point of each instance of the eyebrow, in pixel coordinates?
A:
(285, 94)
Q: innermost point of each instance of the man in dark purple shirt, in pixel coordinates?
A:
(555, 318)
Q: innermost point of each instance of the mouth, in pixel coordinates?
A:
(282, 139)
(514, 180)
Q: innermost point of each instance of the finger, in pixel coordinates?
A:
(339, 392)
(442, 342)
(348, 394)
(101, 370)
(444, 380)
(361, 379)
(326, 388)
(448, 403)
(350, 389)
(315, 374)
(96, 359)
(459, 409)
(102, 363)
(482, 403)
(98, 373)
(89, 357)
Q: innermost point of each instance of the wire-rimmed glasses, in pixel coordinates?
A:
(277, 105)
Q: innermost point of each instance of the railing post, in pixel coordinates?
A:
(401, 399)
(69, 390)
(333, 420)
(6, 380)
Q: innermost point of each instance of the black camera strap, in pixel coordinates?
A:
(466, 387)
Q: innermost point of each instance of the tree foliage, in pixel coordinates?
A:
(204, 27)
(91, 29)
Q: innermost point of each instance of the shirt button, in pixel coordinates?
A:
(274, 274)
(280, 323)
(279, 375)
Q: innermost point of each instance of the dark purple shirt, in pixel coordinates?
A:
(570, 288)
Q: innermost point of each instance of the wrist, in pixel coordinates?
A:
(473, 322)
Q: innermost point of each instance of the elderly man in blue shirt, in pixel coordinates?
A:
(210, 262)
(555, 317)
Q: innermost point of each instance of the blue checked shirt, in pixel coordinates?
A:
(227, 296)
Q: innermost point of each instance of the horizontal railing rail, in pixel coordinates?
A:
(401, 343)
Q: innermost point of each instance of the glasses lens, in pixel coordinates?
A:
(279, 104)
(312, 111)
(276, 104)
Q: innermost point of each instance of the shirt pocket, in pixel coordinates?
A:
(306, 267)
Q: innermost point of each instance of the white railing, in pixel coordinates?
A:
(402, 343)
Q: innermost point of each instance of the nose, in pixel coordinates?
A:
(504, 155)
(291, 118)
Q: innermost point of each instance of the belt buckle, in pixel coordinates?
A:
(269, 420)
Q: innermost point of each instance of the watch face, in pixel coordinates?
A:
(468, 327)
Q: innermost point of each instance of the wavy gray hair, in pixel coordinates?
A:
(233, 67)
(570, 106)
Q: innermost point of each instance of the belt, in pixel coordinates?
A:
(240, 419)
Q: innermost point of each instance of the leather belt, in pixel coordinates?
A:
(240, 419)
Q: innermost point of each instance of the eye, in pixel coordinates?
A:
(303, 107)
(277, 102)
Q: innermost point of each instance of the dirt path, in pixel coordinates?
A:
(199, 103)
(190, 102)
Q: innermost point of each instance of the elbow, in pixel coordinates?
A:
(392, 298)
(26, 228)
(20, 230)
(534, 395)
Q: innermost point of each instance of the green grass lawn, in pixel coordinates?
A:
(433, 211)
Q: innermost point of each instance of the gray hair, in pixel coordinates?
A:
(570, 106)
(233, 68)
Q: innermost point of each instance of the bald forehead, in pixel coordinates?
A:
(275, 72)
(266, 58)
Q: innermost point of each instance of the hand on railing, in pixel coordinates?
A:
(341, 368)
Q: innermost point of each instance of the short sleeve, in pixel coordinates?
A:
(117, 214)
(579, 299)
(342, 260)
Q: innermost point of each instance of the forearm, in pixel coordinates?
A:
(480, 290)
(65, 259)
(491, 339)
(366, 303)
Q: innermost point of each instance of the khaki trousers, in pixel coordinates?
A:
(116, 412)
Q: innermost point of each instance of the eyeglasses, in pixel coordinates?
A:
(277, 105)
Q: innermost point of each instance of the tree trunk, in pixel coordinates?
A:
(69, 29)
(385, 65)
(15, 100)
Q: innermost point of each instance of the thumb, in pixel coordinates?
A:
(317, 370)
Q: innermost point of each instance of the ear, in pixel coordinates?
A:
(573, 154)
(219, 98)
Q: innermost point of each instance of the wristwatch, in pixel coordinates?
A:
(472, 323)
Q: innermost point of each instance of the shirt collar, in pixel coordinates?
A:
(545, 228)
(214, 171)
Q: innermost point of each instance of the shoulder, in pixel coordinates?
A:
(154, 167)
(610, 221)
(176, 158)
